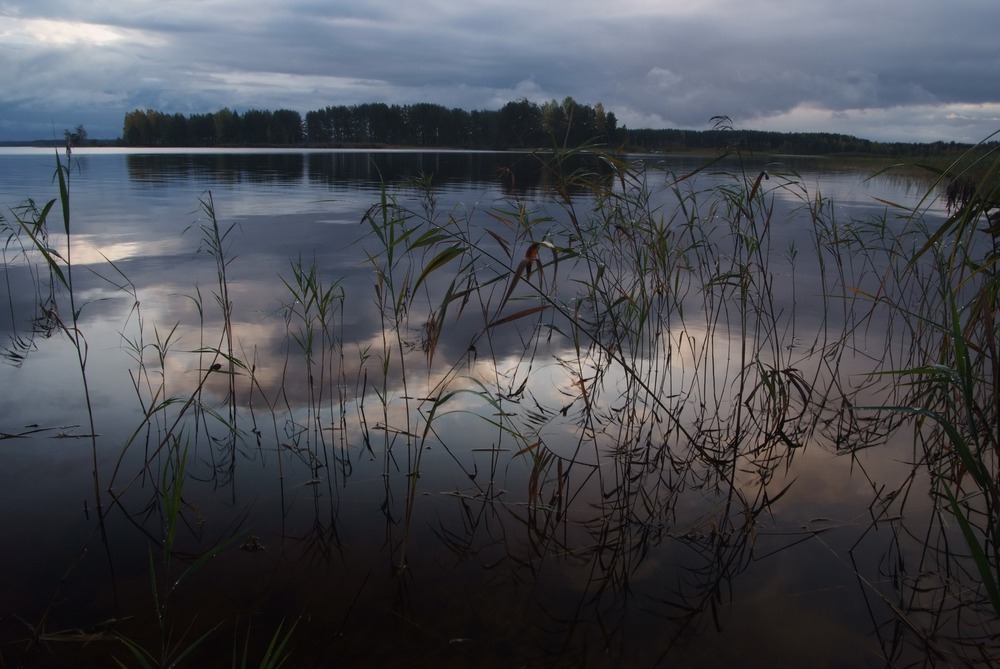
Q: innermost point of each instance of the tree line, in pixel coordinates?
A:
(519, 124)
(789, 143)
(225, 127)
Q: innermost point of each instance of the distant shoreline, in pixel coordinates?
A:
(934, 152)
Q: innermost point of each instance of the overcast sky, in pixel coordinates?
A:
(906, 70)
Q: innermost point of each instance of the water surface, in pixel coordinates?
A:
(571, 502)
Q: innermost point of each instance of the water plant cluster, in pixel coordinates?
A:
(594, 389)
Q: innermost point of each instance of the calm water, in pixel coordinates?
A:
(580, 538)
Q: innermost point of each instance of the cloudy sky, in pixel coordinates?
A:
(898, 70)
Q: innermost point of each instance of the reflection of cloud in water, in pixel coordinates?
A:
(611, 462)
(95, 250)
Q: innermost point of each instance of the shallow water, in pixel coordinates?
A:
(582, 512)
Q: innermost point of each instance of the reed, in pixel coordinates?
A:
(28, 230)
(655, 400)
(313, 316)
(953, 390)
(933, 286)
(214, 242)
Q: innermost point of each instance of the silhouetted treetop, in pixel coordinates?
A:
(519, 124)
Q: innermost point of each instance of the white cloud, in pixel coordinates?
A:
(42, 33)
(664, 78)
(897, 68)
(914, 123)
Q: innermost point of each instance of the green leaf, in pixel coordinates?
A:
(519, 314)
(978, 555)
(439, 261)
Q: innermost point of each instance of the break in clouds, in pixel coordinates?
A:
(893, 70)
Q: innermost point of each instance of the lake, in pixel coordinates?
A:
(472, 409)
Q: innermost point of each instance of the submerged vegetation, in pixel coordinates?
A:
(597, 407)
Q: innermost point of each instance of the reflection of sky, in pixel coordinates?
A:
(292, 212)
(284, 213)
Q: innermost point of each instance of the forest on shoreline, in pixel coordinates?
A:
(518, 125)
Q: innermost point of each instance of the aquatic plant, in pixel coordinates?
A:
(612, 383)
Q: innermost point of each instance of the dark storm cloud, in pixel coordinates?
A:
(886, 70)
